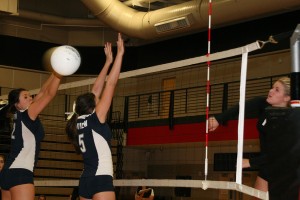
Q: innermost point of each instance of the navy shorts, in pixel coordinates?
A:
(88, 186)
(13, 177)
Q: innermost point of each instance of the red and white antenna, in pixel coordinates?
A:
(207, 86)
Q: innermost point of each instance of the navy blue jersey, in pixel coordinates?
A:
(94, 140)
(26, 137)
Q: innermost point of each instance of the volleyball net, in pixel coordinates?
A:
(173, 164)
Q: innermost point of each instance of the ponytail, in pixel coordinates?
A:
(84, 104)
(71, 132)
(5, 119)
(13, 98)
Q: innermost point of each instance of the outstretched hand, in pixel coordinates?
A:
(120, 44)
(212, 124)
(140, 194)
(108, 52)
(246, 163)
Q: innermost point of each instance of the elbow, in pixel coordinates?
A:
(112, 82)
(51, 94)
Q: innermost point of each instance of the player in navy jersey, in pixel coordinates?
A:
(16, 179)
(88, 131)
(2, 161)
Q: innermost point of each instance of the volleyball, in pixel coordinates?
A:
(65, 60)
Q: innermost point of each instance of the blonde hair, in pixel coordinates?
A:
(286, 82)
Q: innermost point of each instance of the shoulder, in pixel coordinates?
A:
(258, 101)
(23, 115)
(258, 98)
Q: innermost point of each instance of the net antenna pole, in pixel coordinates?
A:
(295, 71)
(207, 88)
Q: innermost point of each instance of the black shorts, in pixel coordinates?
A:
(88, 186)
(13, 177)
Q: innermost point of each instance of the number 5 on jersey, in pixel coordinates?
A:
(81, 143)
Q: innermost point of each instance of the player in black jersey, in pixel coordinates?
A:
(278, 96)
(88, 131)
(16, 179)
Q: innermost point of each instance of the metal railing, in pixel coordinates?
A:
(191, 101)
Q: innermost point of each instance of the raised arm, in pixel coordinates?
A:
(43, 98)
(100, 80)
(108, 92)
(44, 87)
(253, 108)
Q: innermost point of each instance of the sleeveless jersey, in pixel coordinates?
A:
(94, 140)
(26, 137)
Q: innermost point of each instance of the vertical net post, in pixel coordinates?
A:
(295, 71)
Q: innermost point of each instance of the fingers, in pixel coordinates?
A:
(120, 37)
(212, 124)
(107, 47)
(120, 40)
(245, 163)
(120, 44)
(108, 52)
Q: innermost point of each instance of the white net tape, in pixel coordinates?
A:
(163, 67)
(169, 183)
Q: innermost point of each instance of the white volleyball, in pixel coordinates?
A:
(65, 60)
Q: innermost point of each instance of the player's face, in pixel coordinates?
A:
(277, 96)
(24, 100)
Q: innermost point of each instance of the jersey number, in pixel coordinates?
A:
(81, 143)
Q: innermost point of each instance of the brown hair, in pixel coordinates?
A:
(85, 104)
(14, 97)
(3, 156)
